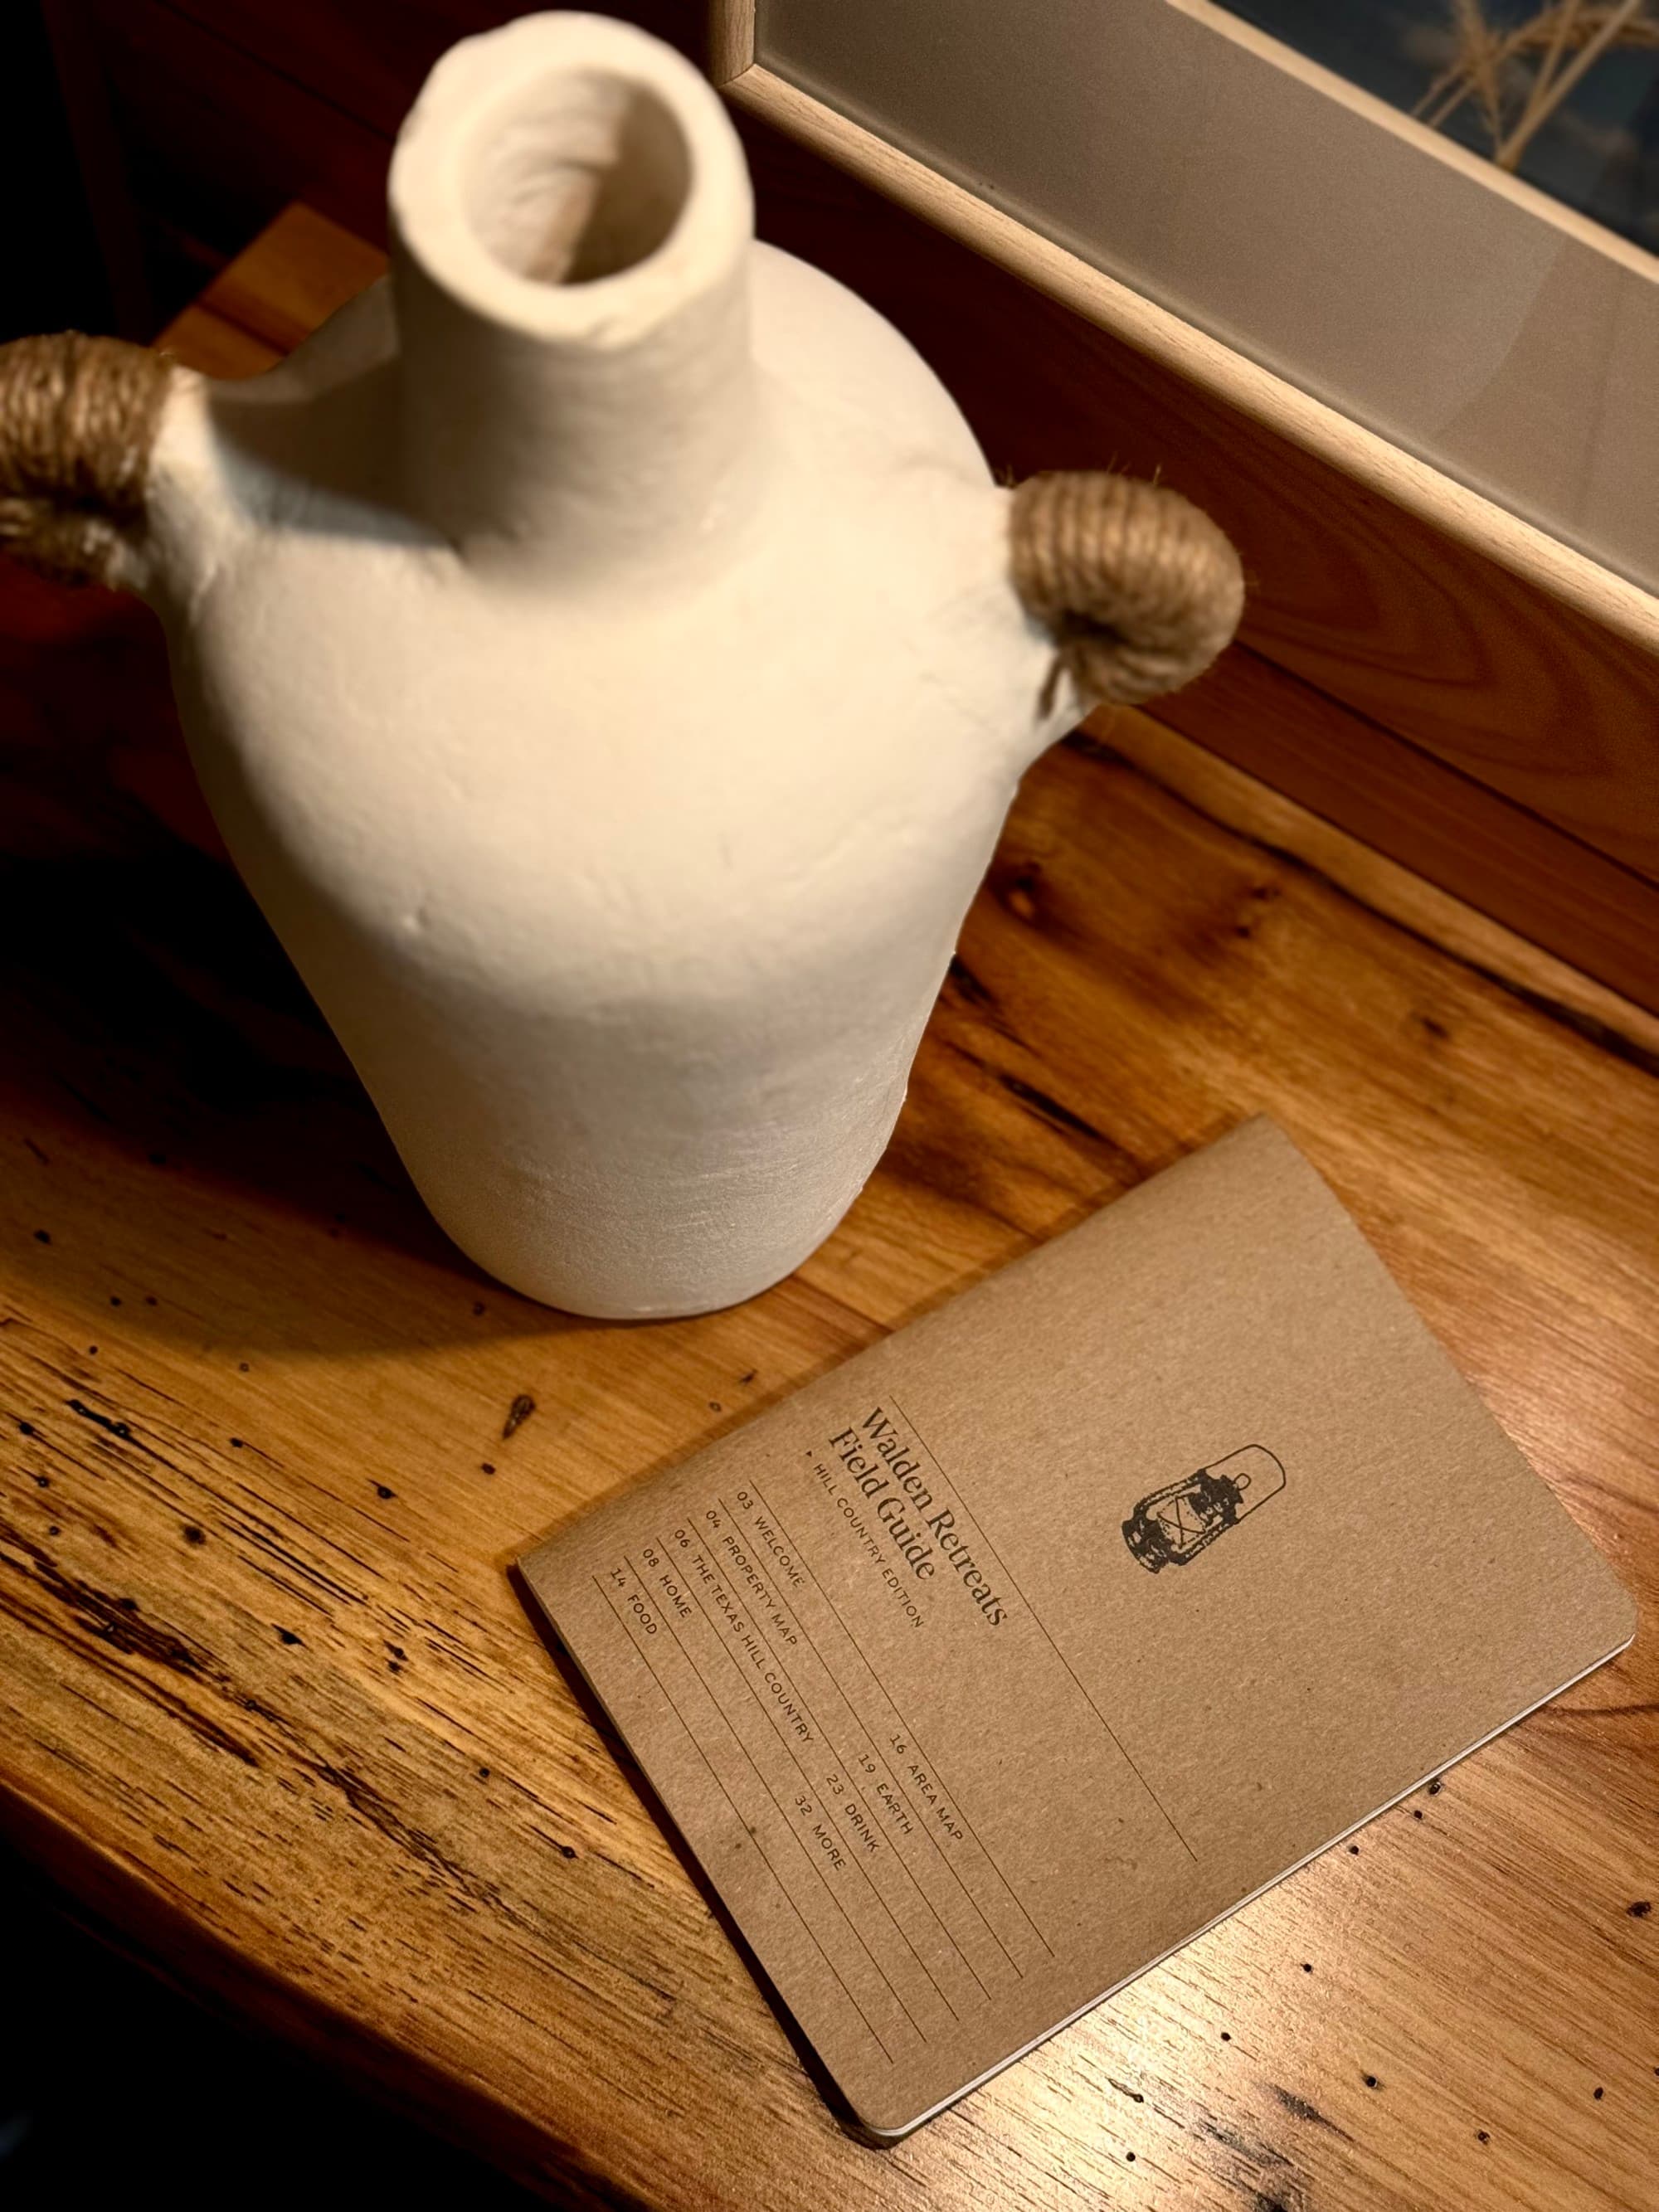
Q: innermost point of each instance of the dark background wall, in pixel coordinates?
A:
(167, 133)
(113, 2088)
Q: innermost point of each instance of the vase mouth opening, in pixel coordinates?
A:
(570, 178)
(579, 176)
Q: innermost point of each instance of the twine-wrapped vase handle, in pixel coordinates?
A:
(78, 417)
(1138, 589)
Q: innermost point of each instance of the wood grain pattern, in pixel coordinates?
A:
(305, 267)
(269, 1703)
(731, 38)
(1444, 823)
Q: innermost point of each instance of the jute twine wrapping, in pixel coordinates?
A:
(78, 421)
(1137, 588)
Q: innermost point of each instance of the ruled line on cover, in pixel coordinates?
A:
(905, 1727)
(787, 1895)
(853, 1858)
(922, 1826)
(882, 1975)
(878, 1830)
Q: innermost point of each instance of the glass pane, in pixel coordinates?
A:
(1566, 95)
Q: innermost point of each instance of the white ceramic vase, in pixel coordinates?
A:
(597, 647)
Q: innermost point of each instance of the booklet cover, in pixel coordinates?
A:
(987, 1669)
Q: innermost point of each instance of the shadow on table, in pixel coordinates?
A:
(114, 2089)
(148, 1011)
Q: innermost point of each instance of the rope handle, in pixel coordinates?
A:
(1138, 589)
(78, 417)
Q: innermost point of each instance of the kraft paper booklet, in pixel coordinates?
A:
(987, 1669)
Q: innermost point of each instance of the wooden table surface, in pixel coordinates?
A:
(273, 1711)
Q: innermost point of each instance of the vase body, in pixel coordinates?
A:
(596, 648)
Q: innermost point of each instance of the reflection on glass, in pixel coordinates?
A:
(1566, 95)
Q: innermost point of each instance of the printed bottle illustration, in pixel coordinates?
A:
(1171, 1526)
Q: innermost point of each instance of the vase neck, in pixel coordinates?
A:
(571, 217)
